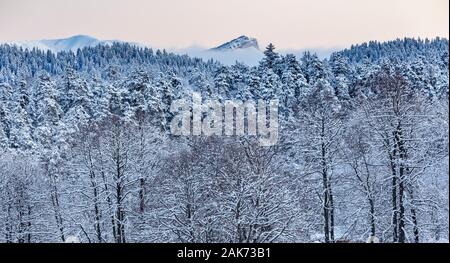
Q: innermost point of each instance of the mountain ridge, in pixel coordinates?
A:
(241, 42)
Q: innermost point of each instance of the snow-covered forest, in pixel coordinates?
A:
(85, 149)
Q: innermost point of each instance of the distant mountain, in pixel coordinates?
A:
(65, 44)
(242, 49)
(241, 42)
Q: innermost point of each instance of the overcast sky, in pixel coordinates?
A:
(289, 24)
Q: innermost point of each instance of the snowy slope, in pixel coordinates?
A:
(242, 42)
(242, 49)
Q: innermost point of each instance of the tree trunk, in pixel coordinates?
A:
(8, 225)
(97, 224)
(29, 225)
(326, 189)
(401, 184)
(54, 195)
(414, 216)
(331, 212)
(394, 187)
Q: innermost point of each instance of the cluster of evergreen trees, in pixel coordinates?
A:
(85, 149)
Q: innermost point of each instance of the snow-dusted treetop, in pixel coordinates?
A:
(72, 43)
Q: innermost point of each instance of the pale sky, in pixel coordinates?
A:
(289, 24)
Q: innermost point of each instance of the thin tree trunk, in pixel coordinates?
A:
(370, 198)
(29, 225)
(108, 199)
(56, 208)
(8, 227)
(326, 197)
(414, 216)
(331, 207)
(394, 187)
(401, 184)
(97, 224)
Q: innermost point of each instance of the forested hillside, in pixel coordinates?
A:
(86, 152)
